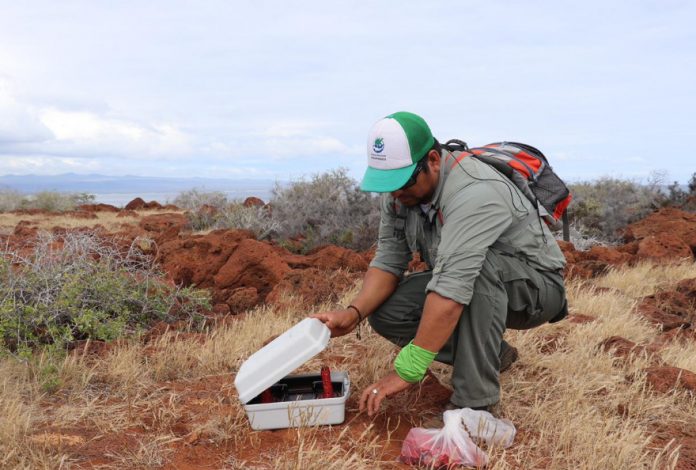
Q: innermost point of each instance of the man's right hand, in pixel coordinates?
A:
(340, 322)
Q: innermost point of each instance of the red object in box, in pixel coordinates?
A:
(326, 382)
(267, 396)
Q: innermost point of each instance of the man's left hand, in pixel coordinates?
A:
(388, 385)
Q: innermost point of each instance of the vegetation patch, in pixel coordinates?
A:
(51, 201)
(602, 207)
(212, 210)
(80, 286)
(328, 208)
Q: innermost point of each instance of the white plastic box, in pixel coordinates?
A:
(296, 398)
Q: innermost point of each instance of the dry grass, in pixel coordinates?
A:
(645, 278)
(18, 416)
(149, 453)
(572, 402)
(108, 220)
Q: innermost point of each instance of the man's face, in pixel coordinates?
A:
(421, 192)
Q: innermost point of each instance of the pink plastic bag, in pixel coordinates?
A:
(452, 445)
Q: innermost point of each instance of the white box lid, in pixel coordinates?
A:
(280, 357)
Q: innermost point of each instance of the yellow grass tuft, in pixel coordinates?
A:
(646, 278)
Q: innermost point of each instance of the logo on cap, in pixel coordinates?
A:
(378, 146)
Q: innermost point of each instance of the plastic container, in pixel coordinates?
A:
(296, 399)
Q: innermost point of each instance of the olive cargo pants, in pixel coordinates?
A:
(507, 293)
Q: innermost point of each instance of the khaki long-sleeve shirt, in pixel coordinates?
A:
(473, 207)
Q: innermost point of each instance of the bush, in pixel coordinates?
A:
(10, 200)
(330, 208)
(57, 202)
(51, 201)
(599, 208)
(677, 197)
(212, 210)
(202, 207)
(582, 240)
(194, 199)
(87, 288)
(256, 219)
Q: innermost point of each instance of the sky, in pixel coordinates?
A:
(281, 90)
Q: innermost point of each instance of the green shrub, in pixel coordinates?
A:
(329, 208)
(51, 201)
(87, 288)
(600, 208)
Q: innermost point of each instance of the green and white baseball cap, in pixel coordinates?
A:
(395, 145)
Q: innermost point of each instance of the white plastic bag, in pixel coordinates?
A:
(483, 425)
(452, 445)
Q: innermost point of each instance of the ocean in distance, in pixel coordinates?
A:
(120, 190)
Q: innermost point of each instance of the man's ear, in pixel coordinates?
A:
(434, 160)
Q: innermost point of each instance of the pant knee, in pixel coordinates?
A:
(376, 322)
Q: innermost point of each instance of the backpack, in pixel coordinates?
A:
(530, 171)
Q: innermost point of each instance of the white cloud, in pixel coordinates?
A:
(86, 126)
(39, 131)
(18, 123)
(86, 133)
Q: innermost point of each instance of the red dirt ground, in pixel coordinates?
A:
(666, 235)
(242, 272)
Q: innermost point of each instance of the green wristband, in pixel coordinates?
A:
(412, 362)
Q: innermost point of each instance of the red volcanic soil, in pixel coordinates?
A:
(679, 223)
(242, 272)
(672, 308)
(253, 202)
(139, 204)
(196, 446)
(666, 235)
(98, 208)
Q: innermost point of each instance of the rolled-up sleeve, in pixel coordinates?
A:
(474, 218)
(392, 253)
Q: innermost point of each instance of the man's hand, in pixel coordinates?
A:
(340, 322)
(388, 385)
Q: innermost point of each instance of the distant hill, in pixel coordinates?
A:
(71, 182)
